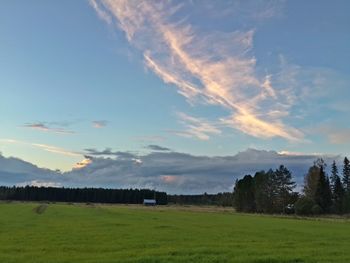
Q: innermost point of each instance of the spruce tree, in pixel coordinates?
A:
(311, 181)
(323, 195)
(337, 190)
(334, 175)
(338, 196)
(263, 192)
(346, 175)
(244, 194)
(346, 185)
(284, 187)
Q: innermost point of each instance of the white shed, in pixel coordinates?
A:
(151, 202)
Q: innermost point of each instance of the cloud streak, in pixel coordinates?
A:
(40, 126)
(45, 147)
(214, 68)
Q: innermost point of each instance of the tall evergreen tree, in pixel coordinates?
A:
(346, 175)
(284, 187)
(263, 191)
(346, 185)
(334, 175)
(337, 190)
(323, 195)
(312, 178)
(244, 194)
(311, 181)
(338, 197)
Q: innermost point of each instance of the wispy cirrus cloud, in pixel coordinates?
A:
(41, 126)
(198, 128)
(214, 68)
(102, 14)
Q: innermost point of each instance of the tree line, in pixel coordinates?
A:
(220, 199)
(273, 191)
(86, 195)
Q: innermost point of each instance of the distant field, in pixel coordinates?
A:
(31, 232)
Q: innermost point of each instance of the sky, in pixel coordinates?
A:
(144, 88)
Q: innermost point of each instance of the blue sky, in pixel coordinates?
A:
(192, 76)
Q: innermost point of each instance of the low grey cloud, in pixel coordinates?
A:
(173, 172)
(14, 171)
(109, 152)
(155, 147)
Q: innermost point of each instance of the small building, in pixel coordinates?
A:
(149, 202)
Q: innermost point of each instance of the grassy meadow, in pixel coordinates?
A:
(37, 233)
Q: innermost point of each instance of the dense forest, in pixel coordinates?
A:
(87, 195)
(273, 191)
(101, 195)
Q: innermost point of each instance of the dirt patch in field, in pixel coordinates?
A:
(40, 209)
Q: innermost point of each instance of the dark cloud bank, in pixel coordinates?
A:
(169, 171)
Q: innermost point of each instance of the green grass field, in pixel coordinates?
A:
(31, 232)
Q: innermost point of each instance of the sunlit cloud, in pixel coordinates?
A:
(292, 153)
(82, 164)
(216, 68)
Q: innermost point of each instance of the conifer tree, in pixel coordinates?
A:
(346, 175)
(346, 185)
(323, 195)
(244, 194)
(311, 181)
(337, 190)
(334, 175)
(338, 196)
(284, 187)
